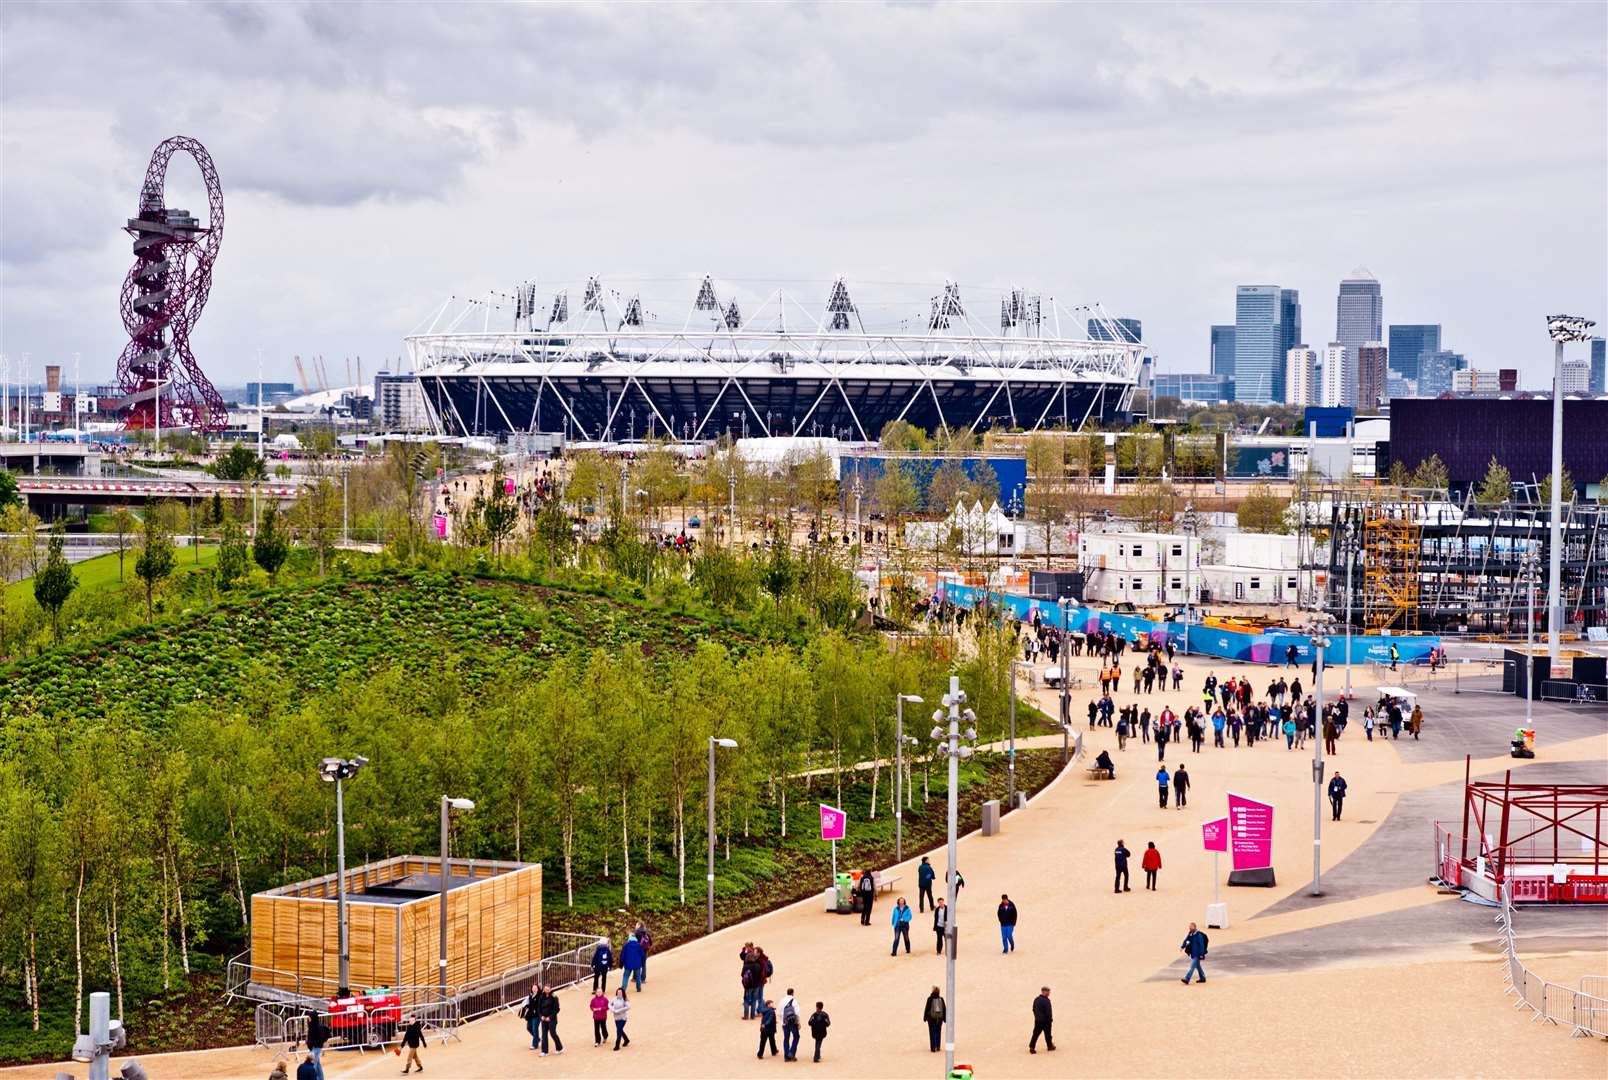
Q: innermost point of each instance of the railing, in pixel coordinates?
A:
(281, 1024)
(1573, 692)
(1585, 1013)
(568, 962)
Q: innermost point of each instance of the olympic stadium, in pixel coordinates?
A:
(598, 362)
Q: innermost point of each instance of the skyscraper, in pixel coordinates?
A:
(1599, 366)
(1300, 376)
(1435, 371)
(1575, 377)
(1339, 382)
(1290, 318)
(1409, 343)
(1259, 348)
(1359, 311)
(1128, 330)
(1223, 351)
(1372, 361)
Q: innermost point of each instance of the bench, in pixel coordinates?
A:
(883, 882)
(1098, 773)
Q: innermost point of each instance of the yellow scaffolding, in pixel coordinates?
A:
(1391, 538)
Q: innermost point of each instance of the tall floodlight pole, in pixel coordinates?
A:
(1319, 645)
(1561, 328)
(1529, 638)
(1189, 565)
(336, 770)
(710, 866)
(448, 805)
(1347, 535)
(950, 745)
(898, 772)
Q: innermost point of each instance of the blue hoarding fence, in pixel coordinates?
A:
(1268, 647)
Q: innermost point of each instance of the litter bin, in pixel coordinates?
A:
(844, 885)
(960, 1072)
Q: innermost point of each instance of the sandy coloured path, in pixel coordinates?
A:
(1421, 995)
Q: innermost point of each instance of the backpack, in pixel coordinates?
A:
(1204, 941)
(770, 968)
(790, 1012)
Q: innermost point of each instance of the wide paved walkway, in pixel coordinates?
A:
(1384, 979)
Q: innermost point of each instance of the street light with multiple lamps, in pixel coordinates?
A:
(950, 745)
(1189, 525)
(729, 744)
(1348, 536)
(1319, 645)
(1560, 328)
(334, 770)
(898, 772)
(1528, 562)
(448, 805)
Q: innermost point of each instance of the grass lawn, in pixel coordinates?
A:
(101, 571)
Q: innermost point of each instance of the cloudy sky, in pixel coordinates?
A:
(377, 159)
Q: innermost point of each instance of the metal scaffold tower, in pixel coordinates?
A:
(1391, 551)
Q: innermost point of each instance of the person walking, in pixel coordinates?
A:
(867, 888)
(940, 922)
(934, 1013)
(1150, 864)
(1416, 723)
(767, 1028)
(307, 1070)
(600, 1017)
(317, 1036)
(531, 1013)
(960, 883)
(602, 960)
(819, 1022)
(1337, 794)
(901, 926)
(1162, 779)
(1042, 1017)
(1330, 733)
(633, 957)
(1122, 853)
(924, 876)
(549, 1012)
(620, 1012)
(1180, 782)
(413, 1040)
(1395, 655)
(644, 939)
(1007, 924)
(791, 1025)
(1194, 947)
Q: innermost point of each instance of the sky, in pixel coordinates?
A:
(376, 160)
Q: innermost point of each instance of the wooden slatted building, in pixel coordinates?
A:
(494, 926)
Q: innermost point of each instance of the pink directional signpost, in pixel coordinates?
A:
(834, 827)
(1214, 838)
(1250, 841)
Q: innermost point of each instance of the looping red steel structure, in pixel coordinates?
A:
(162, 298)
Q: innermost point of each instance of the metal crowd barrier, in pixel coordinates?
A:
(1553, 1003)
(282, 1024)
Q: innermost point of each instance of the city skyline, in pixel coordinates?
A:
(374, 164)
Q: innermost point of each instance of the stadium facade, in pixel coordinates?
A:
(615, 371)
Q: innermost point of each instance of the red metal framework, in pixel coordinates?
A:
(1533, 835)
(162, 298)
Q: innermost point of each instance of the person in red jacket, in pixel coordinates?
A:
(1151, 863)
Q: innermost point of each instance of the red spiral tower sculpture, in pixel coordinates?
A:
(162, 297)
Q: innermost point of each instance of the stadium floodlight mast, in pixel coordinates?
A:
(1190, 525)
(950, 745)
(729, 744)
(334, 770)
(448, 805)
(899, 740)
(1560, 328)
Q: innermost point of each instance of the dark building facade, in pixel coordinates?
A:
(1468, 432)
(1409, 342)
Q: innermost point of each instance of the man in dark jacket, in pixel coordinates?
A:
(413, 1039)
(548, 1011)
(317, 1036)
(933, 1012)
(940, 923)
(1007, 924)
(633, 958)
(924, 876)
(1194, 947)
(602, 960)
(1041, 1022)
(1122, 853)
(767, 1028)
(1337, 794)
(867, 888)
(308, 1069)
(819, 1022)
(1180, 786)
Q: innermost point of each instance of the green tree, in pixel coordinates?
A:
(233, 560)
(1151, 504)
(895, 495)
(55, 583)
(124, 526)
(498, 510)
(1263, 512)
(1566, 494)
(9, 496)
(239, 462)
(1399, 476)
(984, 483)
(948, 484)
(156, 559)
(1497, 487)
(903, 435)
(1431, 473)
(269, 548)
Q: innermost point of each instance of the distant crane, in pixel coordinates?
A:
(301, 371)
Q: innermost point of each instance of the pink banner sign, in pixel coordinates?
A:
(441, 525)
(1250, 830)
(1214, 834)
(834, 823)
(508, 485)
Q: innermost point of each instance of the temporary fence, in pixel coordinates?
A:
(284, 1024)
(566, 960)
(1586, 1013)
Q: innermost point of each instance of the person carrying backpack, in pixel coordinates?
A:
(790, 1026)
(819, 1022)
(1194, 947)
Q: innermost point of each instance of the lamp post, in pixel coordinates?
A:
(898, 772)
(949, 744)
(1319, 644)
(1010, 762)
(1529, 636)
(448, 805)
(1348, 535)
(1066, 701)
(334, 770)
(1189, 525)
(1561, 328)
(728, 744)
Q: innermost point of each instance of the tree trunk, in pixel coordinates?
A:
(167, 981)
(519, 831)
(117, 954)
(625, 843)
(184, 930)
(876, 775)
(569, 859)
(78, 951)
(784, 809)
(32, 974)
(681, 847)
(240, 885)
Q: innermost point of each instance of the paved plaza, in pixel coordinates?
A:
(1380, 977)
